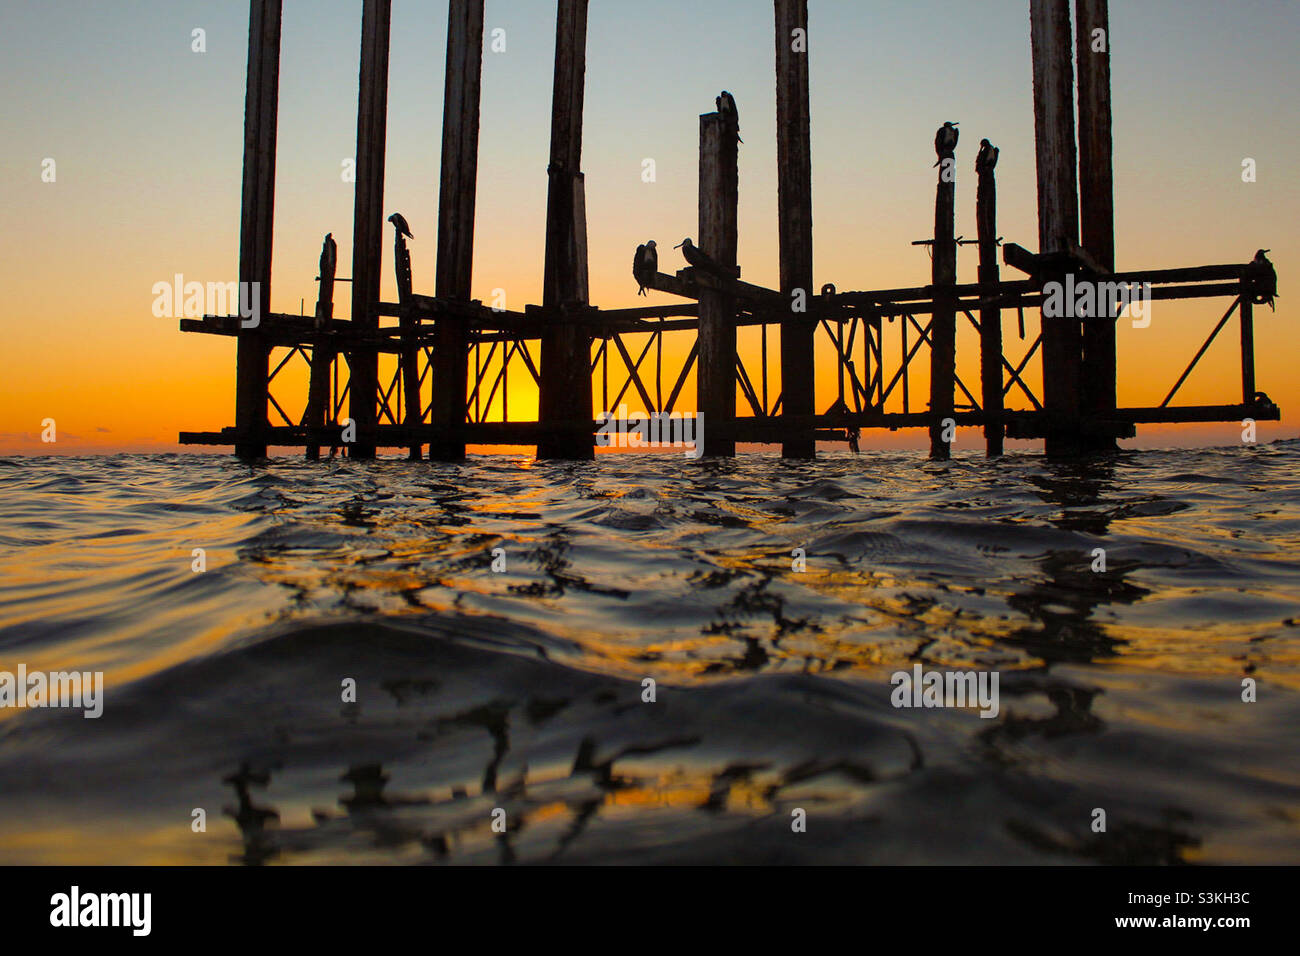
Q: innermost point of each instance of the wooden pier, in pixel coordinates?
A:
(453, 356)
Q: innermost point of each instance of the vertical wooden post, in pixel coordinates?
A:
(794, 213)
(1058, 209)
(322, 355)
(943, 325)
(716, 365)
(566, 346)
(368, 219)
(986, 219)
(1096, 202)
(1247, 349)
(456, 198)
(410, 354)
(257, 215)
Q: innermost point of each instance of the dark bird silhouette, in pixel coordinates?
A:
(726, 104)
(399, 222)
(987, 157)
(945, 141)
(1266, 286)
(645, 266)
(701, 259)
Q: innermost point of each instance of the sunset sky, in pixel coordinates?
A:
(146, 136)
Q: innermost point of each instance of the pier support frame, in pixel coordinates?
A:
(565, 387)
(322, 354)
(1096, 205)
(1078, 370)
(456, 199)
(986, 219)
(1247, 349)
(408, 357)
(719, 198)
(794, 213)
(1058, 209)
(368, 219)
(943, 324)
(257, 215)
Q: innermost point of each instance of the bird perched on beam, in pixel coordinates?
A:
(1266, 288)
(726, 104)
(987, 158)
(645, 266)
(945, 142)
(399, 223)
(701, 259)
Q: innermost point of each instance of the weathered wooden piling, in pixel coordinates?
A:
(368, 220)
(565, 387)
(457, 193)
(322, 354)
(408, 357)
(986, 220)
(257, 215)
(719, 196)
(1247, 350)
(943, 324)
(1058, 210)
(794, 212)
(1096, 205)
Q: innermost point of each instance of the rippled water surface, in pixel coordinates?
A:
(522, 689)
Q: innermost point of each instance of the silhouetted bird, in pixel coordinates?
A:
(645, 266)
(726, 104)
(399, 221)
(987, 157)
(700, 259)
(1267, 290)
(945, 141)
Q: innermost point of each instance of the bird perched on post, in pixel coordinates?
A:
(399, 223)
(987, 157)
(726, 104)
(645, 266)
(1266, 288)
(701, 259)
(945, 141)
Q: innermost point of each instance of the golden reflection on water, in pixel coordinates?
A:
(628, 571)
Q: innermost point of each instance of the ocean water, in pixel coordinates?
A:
(521, 688)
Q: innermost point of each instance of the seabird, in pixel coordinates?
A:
(945, 141)
(399, 222)
(645, 266)
(1268, 287)
(987, 157)
(699, 258)
(726, 104)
